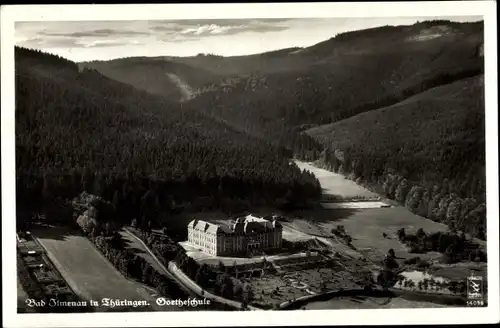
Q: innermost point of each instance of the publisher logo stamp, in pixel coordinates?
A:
(475, 291)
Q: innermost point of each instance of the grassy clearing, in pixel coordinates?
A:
(459, 271)
(367, 226)
(318, 224)
(369, 303)
(86, 270)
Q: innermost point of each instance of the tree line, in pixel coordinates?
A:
(79, 131)
(456, 247)
(434, 165)
(458, 203)
(94, 217)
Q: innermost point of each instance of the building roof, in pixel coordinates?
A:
(254, 218)
(226, 229)
(242, 225)
(261, 222)
(204, 226)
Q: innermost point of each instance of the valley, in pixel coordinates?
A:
(368, 147)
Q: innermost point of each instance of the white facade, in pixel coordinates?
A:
(246, 234)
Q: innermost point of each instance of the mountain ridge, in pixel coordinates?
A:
(351, 57)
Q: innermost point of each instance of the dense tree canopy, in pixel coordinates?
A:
(80, 131)
(433, 159)
(349, 74)
(405, 107)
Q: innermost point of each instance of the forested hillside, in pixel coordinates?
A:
(399, 108)
(80, 131)
(165, 77)
(275, 94)
(352, 73)
(407, 107)
(427, 152)
(200, 72)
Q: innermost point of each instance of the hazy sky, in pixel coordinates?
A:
(102, 40)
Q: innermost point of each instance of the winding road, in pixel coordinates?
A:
(174, 273)
(149, 256)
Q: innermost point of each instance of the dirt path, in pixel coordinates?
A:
(147, 254)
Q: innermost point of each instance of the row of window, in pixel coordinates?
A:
(209, 241)
(201, 233)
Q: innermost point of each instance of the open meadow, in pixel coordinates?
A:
(373, 230)
(459, 271)
(366, 227)
(336, 184)
(87, 271)
(363, 302)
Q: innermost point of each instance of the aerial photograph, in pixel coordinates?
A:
(260, 164)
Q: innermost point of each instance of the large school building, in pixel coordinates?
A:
(244, 234)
